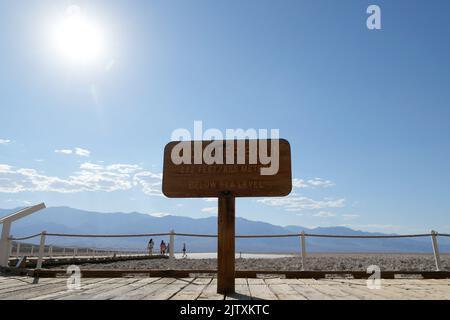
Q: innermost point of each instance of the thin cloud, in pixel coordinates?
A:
(82, 152)
(209, 210)
(300, 203)
(64, 151)
(320, 183)
(4, 141)
(77, 151)
(312, 183)
(149, 182)
(159, 214)
(89, 178)
(324, 214)
(350, 216)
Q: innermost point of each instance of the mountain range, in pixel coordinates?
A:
(70, 220)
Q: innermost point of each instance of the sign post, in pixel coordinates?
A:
(226, 244)
(226, 169)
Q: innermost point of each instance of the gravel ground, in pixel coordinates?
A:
(353, 262)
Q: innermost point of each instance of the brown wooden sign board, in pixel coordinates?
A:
(233, 168)
(240, 180)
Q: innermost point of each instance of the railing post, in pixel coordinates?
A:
(31, 251)
(50, 251)
(41, 250)
(172, 243)
(5, 244)
(10, 248)
(75, 252)
(17, 250)
(303, 242)
(64, 251)
(437, 258)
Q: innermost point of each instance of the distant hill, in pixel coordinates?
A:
(70, 220)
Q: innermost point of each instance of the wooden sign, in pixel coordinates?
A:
(243, 168)
(227, 169)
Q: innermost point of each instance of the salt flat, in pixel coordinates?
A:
(213, 255)
(318, 261)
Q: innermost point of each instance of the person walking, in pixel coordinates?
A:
(184, 250)
(150, 246)
(163, 247)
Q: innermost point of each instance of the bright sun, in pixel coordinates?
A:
(77, 39)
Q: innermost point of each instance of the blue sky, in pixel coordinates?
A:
(366, 111)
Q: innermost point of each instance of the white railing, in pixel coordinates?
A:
(94, 252)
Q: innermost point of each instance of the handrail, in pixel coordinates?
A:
(74, 235)
(369, 237)
(26, 238)
(172, 235)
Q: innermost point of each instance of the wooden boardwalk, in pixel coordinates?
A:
(204, 288)
(80, 259)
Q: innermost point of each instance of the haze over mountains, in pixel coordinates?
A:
(70, 220)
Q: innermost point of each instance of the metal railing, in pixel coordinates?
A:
(302, 236)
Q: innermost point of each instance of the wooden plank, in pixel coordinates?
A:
(56, 288)
(390, 289)
(394, 292)
(388, 275)
(310, 293)
(88, 294)
(18, 289)
(210, 292)
(33, 290)
(443, 290)
(119, 273)
(438, 281)
(193, 290)
(259, 290)
(242, 291)
(359, 290)
(170, 290)
(415, 289)
(363, 293)
(411, 293)
(147, 290)
(255, 281)
(332, 290)
(282, 290)
(15, 282)
(7, 279)
(57, 261)
(203, 288)
(85, 285)
(122, 290)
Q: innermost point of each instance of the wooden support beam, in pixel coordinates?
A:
(225, 244)
(117, 273)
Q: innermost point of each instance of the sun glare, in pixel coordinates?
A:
(78, 39)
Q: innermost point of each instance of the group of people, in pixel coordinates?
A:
(163, 247)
